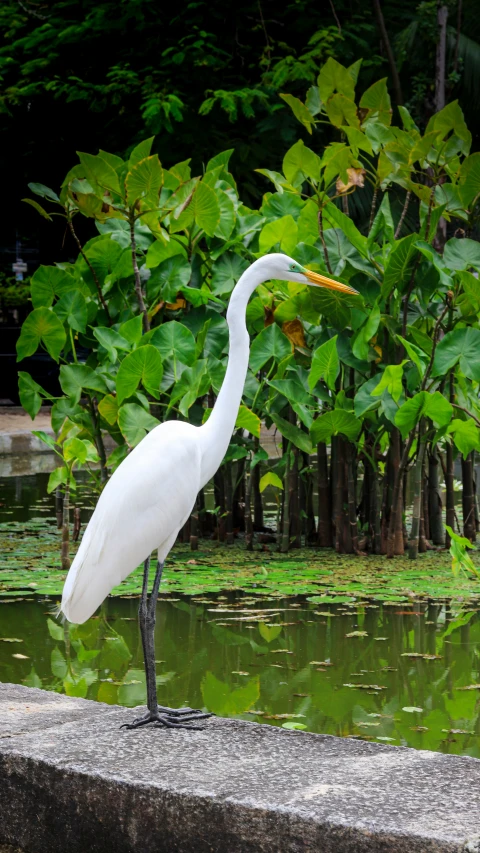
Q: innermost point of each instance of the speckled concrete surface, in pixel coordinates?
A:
(71, 779)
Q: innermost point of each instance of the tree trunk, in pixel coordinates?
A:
(248, 508)
(295, 521)
(437, 534)
(388, 50)
(194, 527)
(66, 528)
(307, 480)
(219, 492)
(424, 532)
(450, 492)
(285, 539)
(352, 499)
(375, 516)
(417, 496)
(468, 499)
(440, 65)
(257, 496)
(59, 507)
(227, 469)
(397, 467)
(324, 534)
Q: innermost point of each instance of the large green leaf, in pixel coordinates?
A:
(466, 435)
(293, 390)
(281, 231)
(227, 215)
(332, 305)
(167, 279)
(363, 401)
(462, 347)
(71, 308)
(30, 393)
(448, 119)
(300, 111)
(141, 151)
(336, 422)
(75, 377)
(41, 326)
(226, 272)
(377, 100)
(391, 381)
(203, 209)
(399, 265)
(361, 342)
(342, 111)
(334, 77)
(299, 163)
(292, 433)
(131, 330)
(338, 219)
(174, 340)
(144, 180)
(469, 177)
(135, 422)
(246, 419)
(111, 341)
(434, 406)
(417, 355)
(270, 343)
(143, 365)
(99, 172)
(48, 282)
(325, 364)
(461, 254)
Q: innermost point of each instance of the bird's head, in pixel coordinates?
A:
(286, 269)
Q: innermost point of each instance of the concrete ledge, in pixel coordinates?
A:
(71, 779)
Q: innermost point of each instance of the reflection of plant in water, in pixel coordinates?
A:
(461, 560)
(280, 661)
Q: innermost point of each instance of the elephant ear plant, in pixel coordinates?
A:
(380, 388)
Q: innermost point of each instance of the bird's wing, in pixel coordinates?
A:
(142, 507)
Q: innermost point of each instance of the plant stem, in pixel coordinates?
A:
(372, 209)
(322, 238)
(92, 270)
(388, 50)
(66, 527)
(403, 214)
(417, 495)
(138, 281)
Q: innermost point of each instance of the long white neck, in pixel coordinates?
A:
(217, 432)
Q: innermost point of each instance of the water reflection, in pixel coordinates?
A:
(397, 678)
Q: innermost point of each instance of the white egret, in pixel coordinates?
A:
(152, 493)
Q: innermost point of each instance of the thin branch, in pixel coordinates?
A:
(322, 238)
(388, 50)
(372, 209)
(435, 342)
(138, 281)
(456, 406)
(404, 213)
(32, 13)
(92, 270)
(334, 13)
(267, 40)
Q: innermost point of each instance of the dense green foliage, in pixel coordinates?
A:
(389, 379)
(203, 76)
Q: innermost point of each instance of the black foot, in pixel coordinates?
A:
(169, 718)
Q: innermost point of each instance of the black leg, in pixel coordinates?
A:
(172, 718)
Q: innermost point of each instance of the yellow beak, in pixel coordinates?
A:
(323, 281)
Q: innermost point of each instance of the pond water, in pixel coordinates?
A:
(400, 673)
